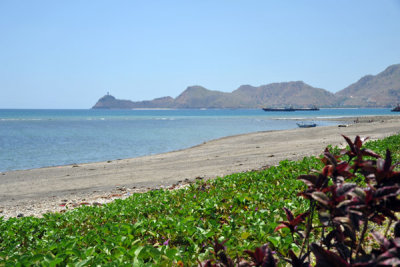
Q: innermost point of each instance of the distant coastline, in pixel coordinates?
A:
(371, 91)
(154, 109)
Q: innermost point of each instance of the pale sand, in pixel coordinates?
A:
(33, 192)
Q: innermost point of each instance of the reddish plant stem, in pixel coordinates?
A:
(388, 226)
(308, 229)
(361, 239)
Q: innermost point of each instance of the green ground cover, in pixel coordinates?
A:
(165, 228)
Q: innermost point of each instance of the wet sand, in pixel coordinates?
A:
(33, 192)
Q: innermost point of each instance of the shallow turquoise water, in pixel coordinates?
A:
(40, 138)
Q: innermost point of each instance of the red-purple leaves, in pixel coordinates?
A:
(321, 198)
(327, 258)
(220, 256)
(345, 206)
(388, 254)
(220, 253)
(376, 204)
(388, 162)
(356, 151)
(291, 222)
(397, 229)
(262, 256)
(384, 243)
(384, 173)
(337, 170)
(354, 147)
(345, 188)
(310, 180)
(334, 198)
(314, 183)
(296, 261)
(346, 212)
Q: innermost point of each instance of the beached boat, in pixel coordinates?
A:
(306, 124)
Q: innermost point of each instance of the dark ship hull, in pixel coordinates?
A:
(291, 109)
(278, 109)
(396, 109)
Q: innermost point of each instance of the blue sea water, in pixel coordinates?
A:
(40, 138)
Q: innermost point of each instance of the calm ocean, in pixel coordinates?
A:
(40, 138)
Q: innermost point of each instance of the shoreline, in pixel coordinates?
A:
(349, 120)
(51, 189)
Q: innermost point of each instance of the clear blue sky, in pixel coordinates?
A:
(67, 54)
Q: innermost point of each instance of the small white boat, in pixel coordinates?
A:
(306, 124)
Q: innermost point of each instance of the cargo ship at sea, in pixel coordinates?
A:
(291, 109)
(396, 109)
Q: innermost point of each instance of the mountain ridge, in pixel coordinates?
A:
(381, 90)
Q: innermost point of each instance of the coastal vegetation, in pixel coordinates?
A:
(243, 217)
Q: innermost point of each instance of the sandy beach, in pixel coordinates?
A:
(36, 191)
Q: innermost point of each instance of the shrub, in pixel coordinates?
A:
(356, 188)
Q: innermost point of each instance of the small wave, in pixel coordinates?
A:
(292, 118)
(336, 117)
(22, 119)
(164, 119)
(318, 117)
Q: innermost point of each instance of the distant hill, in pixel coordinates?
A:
(296, 94)
(110, 102)
(200, 97)
(381, 90)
